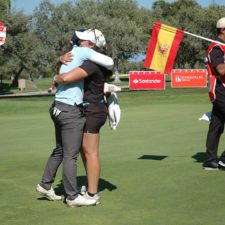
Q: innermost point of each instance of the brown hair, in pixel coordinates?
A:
(104, 50)
(67, 48)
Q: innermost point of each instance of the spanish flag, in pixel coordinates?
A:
(162, 48)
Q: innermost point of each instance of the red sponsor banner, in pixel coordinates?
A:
(189, 79)
(2, 33)
(146, 80)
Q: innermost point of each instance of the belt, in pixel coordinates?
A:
(68, 105)
(85, 103)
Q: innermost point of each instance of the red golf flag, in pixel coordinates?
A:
(162, 48)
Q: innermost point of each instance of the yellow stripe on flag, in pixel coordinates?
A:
(165, 39)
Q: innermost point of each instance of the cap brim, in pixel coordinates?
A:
(84, 36)
(81, 35)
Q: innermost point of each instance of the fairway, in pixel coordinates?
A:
(151, 165)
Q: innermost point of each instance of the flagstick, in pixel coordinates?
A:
(207, 39)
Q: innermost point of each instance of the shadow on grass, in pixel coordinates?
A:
(153, 157)
(200, 157)
(5, 89)
(81, 180)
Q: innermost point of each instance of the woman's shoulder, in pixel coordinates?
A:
(82, 49)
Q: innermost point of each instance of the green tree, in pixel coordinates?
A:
(35, 42)
(120, 23)
(17, 53)
(187, 15)
(53, 26)
(4, 8)
(117, 19)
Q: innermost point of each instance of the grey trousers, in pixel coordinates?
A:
(69, 125)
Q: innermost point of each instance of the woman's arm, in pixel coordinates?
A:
(92, 55)
(102, 60)
(71, 76)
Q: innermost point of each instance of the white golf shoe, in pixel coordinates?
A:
(49, 194)
(83, 191)
(96, 197)
(80, 200)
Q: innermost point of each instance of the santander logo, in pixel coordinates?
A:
(146, 80)
(135, 81)
(142, 81)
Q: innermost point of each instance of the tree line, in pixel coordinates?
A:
(34, 42)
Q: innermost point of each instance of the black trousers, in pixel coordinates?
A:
(216, 128)
(69, 124)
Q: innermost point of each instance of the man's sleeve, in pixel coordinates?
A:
(89, 67)
(216, 56)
